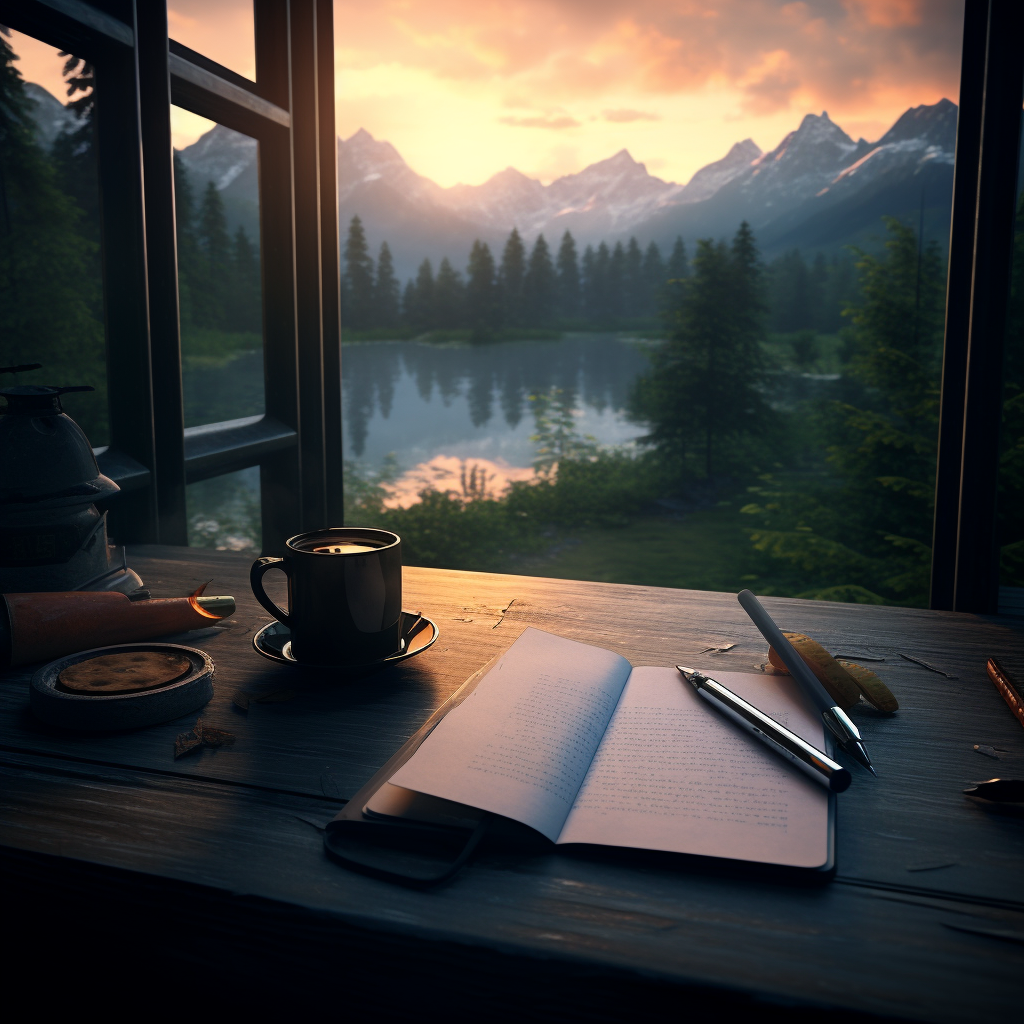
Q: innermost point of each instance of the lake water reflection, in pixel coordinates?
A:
(434, 407)
(421, 401)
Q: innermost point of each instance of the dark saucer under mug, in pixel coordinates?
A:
(274, 642)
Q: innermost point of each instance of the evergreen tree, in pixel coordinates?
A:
(358, 279)
(483, 308)
(511, 277)
(540, 286)
(600, 287)
(867, 535)
(48, 291)
(244, 311)
(409, 303)
(568, 278)
(449, 297)
(386, 311)
(678, 269)
(818, 278)
(705, 386)
(655, 276)
(615, 283)
(590, 286)
(634, 299)
(74, 149)
(420, 310)
(190, 260)
(211, 289)
(678, 264)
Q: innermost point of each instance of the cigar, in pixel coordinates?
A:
(41, 627)
(1004, 683)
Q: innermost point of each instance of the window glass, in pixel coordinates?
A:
(649, 293)
(224, 512)
(222, 31)
(217, 210)
(51, 298)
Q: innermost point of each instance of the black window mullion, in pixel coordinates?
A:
(965, 565)
(134, 514)
(162, 262)
(330, 253)
(280, 473)
(308, 263)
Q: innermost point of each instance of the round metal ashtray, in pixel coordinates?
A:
(56, 704)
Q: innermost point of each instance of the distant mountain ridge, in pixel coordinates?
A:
(818, 189)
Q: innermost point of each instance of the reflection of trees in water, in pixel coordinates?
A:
(595, 371)
(368, 383)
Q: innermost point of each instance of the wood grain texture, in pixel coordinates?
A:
(838, 945)
(237, 819)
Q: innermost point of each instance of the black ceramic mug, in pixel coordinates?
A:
(344, 594)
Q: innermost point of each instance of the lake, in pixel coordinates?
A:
(433, 407)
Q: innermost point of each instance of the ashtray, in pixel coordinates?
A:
(112, 695)
(274, 642)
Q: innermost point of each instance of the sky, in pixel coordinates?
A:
(465, 88)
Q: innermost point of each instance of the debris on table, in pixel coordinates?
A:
(201, 736)
(984, 748)
(925, 664)
(717, 650)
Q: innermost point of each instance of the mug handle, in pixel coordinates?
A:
(259, 568)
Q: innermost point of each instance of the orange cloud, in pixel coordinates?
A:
(628, 116)
(543, 121)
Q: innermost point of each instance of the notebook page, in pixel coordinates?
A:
(521, 743)
(674, 774)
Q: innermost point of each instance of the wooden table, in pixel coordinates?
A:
(206, 876)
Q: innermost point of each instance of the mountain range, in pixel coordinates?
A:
(818, 190)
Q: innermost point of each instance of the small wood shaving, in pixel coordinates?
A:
(201, 736)
(241, 700)
(717, 650)
(185, 742)
(984, 748)
(924, 664)
(217, 737)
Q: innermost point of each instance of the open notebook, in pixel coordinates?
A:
(572, 741)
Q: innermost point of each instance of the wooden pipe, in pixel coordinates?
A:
(41, 627)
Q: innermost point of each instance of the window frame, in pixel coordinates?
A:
(289, 109)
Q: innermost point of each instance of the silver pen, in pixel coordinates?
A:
(835, 718)
(793, 748)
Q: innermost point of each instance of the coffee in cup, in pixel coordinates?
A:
(344, 594)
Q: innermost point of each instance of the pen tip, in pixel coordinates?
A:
(873, 772)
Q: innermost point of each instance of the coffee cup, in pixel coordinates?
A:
(344, 594)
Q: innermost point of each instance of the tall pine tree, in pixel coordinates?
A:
(705, 385)
(540, 286)
(483, 306)
(655, 276)
(449, 297)
(510, 279)
(634, 299)
(568, 268)
(357, 283)
(48, 292)
(386, 311)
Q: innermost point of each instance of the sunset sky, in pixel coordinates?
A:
(464, 88)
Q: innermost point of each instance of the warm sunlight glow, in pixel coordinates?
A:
(464, 88)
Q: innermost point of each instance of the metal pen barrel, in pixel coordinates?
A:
(795, 749)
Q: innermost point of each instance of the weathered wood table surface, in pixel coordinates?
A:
(211, 868)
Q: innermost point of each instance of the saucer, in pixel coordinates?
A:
(274, 642)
